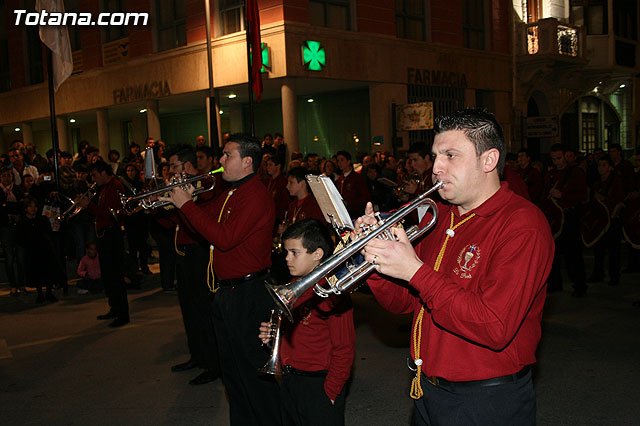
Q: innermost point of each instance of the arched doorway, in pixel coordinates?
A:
(590, 123)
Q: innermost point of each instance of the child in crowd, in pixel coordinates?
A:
(317, 350)
(89, 271)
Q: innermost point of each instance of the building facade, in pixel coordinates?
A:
(334, 72)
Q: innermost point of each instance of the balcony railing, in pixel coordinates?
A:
(550, 37)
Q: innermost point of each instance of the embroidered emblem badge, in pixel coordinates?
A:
(467, 260)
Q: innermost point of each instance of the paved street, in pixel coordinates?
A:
(60, 366)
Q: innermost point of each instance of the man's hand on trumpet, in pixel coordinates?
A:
(178, 196)
(395, 258)
(266, 332)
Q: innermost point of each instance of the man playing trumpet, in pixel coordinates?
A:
(317, 350)
(475, 283)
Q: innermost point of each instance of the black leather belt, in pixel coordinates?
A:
(287, 369)
(510, 378)
(235, 281)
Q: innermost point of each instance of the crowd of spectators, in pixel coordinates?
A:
(30, 204)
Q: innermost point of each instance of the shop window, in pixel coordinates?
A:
(172, 30)
(411, 20)
(533, 11)
(330, 13)
(591, 14)
(445, 100)
(473, 28)
(115, 32)
(625, 18)
(231, 16)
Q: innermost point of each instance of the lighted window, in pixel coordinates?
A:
(231, 16)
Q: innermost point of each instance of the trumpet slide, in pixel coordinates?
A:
(287, 296)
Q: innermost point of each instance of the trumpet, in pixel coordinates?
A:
(287, 296)
(133, 203)
(75, 207)
(273, 365)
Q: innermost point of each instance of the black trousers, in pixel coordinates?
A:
(237, 314)
(511, 404)
(195, 304)
(304, 402)
(610, 242)
(569, 249)
(111, 251)
(167, 256)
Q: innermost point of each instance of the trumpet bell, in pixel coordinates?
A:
(285, 296)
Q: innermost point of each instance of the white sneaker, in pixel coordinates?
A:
(83, 291)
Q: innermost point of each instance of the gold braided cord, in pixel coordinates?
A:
(175, 241)
(416, 388)
(211, 278)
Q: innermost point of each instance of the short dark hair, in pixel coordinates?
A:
(91, 150)
(113, 151)
(314, 235)
(185, 153)
(249, 146)
(276, 134)
(479, 126)
(66, 154)
(100, 166)
(615, 146)
(300, 173)
(345, 154)
(525, 151)
(420, 148)
(275, 159)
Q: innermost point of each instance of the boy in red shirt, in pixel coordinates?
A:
(317, 350)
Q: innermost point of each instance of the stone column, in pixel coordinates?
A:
(104, 144)
(63, 133)
(290, 116)
(381, 98)
(153, 121)
(27, 133)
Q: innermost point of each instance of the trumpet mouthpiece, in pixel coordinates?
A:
(221, 169)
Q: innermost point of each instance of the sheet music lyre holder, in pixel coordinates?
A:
(330, 202)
